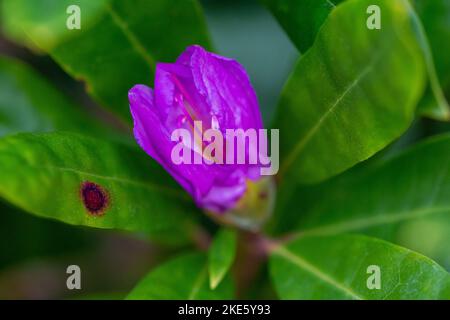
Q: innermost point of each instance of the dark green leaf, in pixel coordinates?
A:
(29, 103)
(382, 199)
(221, 256)
(44, 174)
(339, 267)
(435, 18)
(301, 19)
(352, 93)
(183, 278)
(119, 41)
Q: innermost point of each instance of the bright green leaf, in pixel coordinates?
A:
(119, 41)
(352, 93)
(381, 199)
(347, 267)
(221, 255)
(183, 278)
(28, 102)
(302, 21)
(43, 174)
(43, 25)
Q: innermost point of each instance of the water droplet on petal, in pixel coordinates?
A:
(177, 99)
(181, 120)
(215, 123)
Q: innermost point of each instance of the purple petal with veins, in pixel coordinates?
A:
(199, 86)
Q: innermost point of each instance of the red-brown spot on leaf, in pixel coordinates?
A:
(95, 198)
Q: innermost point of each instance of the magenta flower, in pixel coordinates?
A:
(199, 86)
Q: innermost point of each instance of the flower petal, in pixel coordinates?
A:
(226, 88)
(199, 86)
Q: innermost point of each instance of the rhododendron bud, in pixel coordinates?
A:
(202, 92)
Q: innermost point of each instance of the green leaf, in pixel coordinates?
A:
(42, 26)
(28, 102)
(118, 44)
(435, 18)
(352, 93)
(339, 268)
(302, 21)
(434, 103)
(183, 278)
(221, 255)
(44, 173)
(380, 199)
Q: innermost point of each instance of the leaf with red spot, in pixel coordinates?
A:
(85, 181)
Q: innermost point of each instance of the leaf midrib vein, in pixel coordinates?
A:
(366, 222)
(131, 37)
(123, 180)
(331, 3)
(201, 278)
(313, 130)
(159, 188)
(315, 271)
(430, 63)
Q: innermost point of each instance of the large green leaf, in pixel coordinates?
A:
(30, 103)
(221, 255)
(119, 41)
(302, 21)
(352, 93)
(382, 199)
(339, 267)
(43, 174)
(183, 278)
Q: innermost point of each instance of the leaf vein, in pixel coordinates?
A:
(201, 278)
(167, 190)
(311, 132)
(309, 267)
(367, 222)
(134, 41)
